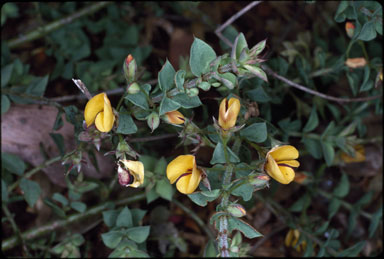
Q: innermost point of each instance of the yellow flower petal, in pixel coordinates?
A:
(228, 112)
(182, 184)
(175, 117)
(136, 168)
(99, 121)
(179, 166)
(288, 238)
(109, 117)
(93, 107)
(286, 152)
(282, 174)
(293, 163)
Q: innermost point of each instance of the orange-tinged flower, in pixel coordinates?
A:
(281, 162)
(174, 117)
(359, 155)
(292, 238)
(355, 62)
(184, 172)
(228, 111)
(98, 110)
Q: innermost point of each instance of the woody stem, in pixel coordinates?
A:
(223, 221)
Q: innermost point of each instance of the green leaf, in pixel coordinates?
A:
(37, 87)
(312, 122)
(200, 56)
(167, 105)
(166, 76)
(343, 188)
(340, 16)
(112, 238)
(201, 198)
(376, 217)
(301, 204)
(6, 73)
(368, 32)
(179, 80)
(218, 156)
(60, 198)
(78, 206)
(59, 141)
(134, 253)
(110, 217)
(138, 234)
(4, 191)
(77, 239)
(160, 166)
(241, 43)
(210, 249)
(186, 101)
(151, 195)
(137, 216)
(125, 218)
(258, 95)
(126, 124)
(364, 200)
(256, 132)
(58, 121)
(5, 103)
(164, 189)
(313, 146)
(31, 191)
(244, 190)
(333, 207)
(322, 228)
(353, 251)
(328, 151)
(245, 228)
(12, 163)
(139, 99)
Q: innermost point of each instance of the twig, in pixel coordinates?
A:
(324, 96)
(152, 138)
(265, 238)
(196, 218)
(232, 19)
(55, 225)
(15, 229)
(33, 171)
(41, 31)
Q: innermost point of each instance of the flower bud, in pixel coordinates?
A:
(259, 181)
(236, 210)
(130, 68)
(350, 29)
(192, 92)
(153, 121)
(133, 88)
(355, 62)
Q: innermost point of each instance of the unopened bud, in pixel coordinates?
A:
(259, 181)
(133, 88)
(192, 92)
(153, 121)
(174, 117)
(130, 68)
(350, 29)
(236, 210)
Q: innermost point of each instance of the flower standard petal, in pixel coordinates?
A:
(179, 166)
(93, 107)
(273, 170)
(228, 112)
(286, 152)
(194, 180)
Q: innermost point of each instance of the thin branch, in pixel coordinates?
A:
(152, 138)
(232, 19)
(324, 96)
(196, 218)
(55, 225)
(41, 31)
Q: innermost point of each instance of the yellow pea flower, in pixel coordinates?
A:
(131, 173)
(359, 155)
(184, 172)
(228, 111)
(292, 238)
(99, 111)
(280, 163)
(174, 117)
